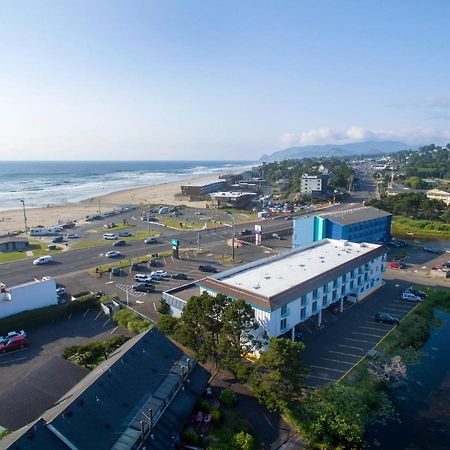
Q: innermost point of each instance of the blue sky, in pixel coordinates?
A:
(219, 79)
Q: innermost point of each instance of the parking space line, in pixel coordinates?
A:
(321, 378)
(109, 319)
(379, 324)
(84, 315)
(154, 306)
(360, 340)
(346, 354)
(395, 310)
(13, 360)
(370, 328)
(327, 368)
(350, 346)
(302, 323)
(367, 334)
(114, 329)
(98, 315)
(340, 362)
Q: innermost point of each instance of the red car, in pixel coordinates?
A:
(13, 344)
(441, 267)
(395, 265)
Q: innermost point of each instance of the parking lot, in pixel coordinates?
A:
(346, 338)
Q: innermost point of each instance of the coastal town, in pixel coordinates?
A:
(299, 250)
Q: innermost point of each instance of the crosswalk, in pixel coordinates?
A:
(129, 289)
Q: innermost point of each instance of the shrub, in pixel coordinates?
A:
(203, 405)
(189, 436)
(244, 441)
(228, 398)
(216, 415)
(167, 324)
(128, 319)
(414, 331)
(163, 307)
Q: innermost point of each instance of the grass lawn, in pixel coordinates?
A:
(6, 257)
(136, 236)
(405, 227)
(37, 247)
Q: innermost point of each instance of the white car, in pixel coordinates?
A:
(159, 274)
(72, 236)
(410, 297)
(112, 254)
(110, 236)
(143, 277)
(12, 334)
(42, 260)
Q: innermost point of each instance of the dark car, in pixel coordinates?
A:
(136, 266)
(125, 234)
(144, 287)
(386, 318)
(245, 232)
(420, 294)
(116, 271)
(57, 239)
(179, 276)
(429, 249)
(119, 243)
(208, 268)
(156, 263)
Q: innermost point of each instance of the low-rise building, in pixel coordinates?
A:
(438, 194)
(13, 243)
(363, 224)
(199, 190)
(287, 289)
(140, 397)
(232, 199)
(314, 185)
(24, 297)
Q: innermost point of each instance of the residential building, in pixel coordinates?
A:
(363, 224)
(438, 194)
(13, 243)
(314, 185)
(139, 398)
(287, 289)
(283, 184)
(232, 199)
(198, 190)
(31, 295)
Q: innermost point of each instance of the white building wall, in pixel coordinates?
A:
(33, 295)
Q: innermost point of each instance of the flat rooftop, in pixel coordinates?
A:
(231, 194)
(355, 215)
(278, 279)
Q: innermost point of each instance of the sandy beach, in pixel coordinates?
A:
(166, 193)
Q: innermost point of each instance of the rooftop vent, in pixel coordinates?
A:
(257, 286)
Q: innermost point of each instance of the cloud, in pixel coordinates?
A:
(418, 135)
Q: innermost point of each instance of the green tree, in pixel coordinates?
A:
(279, 374)
(244, 441)
(167, 324)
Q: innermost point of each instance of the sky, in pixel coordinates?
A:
(210, 79)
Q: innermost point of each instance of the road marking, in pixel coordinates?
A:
(172, 259)
(70, 316)
(321, 378)
(106, 322)
(114, 329)
(154, 306)
(84, 315)
(340, 362)
(306, 327)
(13, 360)
(378, 324)
(98, 315)
(360, 340)
(370, 328)
(109, 282)
(327, 368)
(350, 346)
(366, 334)
(346, 354)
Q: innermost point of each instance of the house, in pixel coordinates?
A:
(238, 200)
(314, 185)
(363, 224)
(287, 289)
(200, 190)
(34, 294)
(139, 398)
(13, 243)
(438, 194)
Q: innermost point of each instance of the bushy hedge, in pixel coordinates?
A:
(129, 319)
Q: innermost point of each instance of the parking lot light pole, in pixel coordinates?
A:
(234, 235)
(24, 215)
(148, 227)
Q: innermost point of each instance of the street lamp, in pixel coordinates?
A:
(24, 215)
(234, 233)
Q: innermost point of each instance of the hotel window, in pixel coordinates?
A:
(303, 313)
(314, 307)
(303, 300)
(366, 277)
(283, 324)
(343, 290)
(324, 300)
(353, 273)
(336, 282)
(344, 278)
(352, 284)
(325, 287)
(315, 293)
(334, 295)
(359, 280)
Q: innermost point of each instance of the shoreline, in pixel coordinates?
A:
(163, 193)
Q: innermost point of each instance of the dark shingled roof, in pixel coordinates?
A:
(105, 410)
(5, 240)
(26, 400)
(355, 215)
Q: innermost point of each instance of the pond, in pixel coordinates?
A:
(424, 406)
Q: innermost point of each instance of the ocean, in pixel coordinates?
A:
(42, 183)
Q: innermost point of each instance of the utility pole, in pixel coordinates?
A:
(24, 216)
(99, 206)
(198, 240)
(234, 235)
(148, 227)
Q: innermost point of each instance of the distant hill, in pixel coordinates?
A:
(357, 148)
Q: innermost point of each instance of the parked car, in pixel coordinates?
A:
(245, 232)
(410, 297)
(116, 271)
(72, 236)
(119, 243)
(161, 273)
(156, 263)
(61, 291)
(150, 240)
(12, 334)
(157, 276)
(429, 249)
(386, 318)
(420, 294)
(395, 265)
(110, 236)
(142, 277)
(144, 287)
(57, 239)
(14, 343)
(113, 254)
(277, 236)
(43, 260)
(125, 234)
(440, 267)
(208, 268)
(179, 276)
(135, 266)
